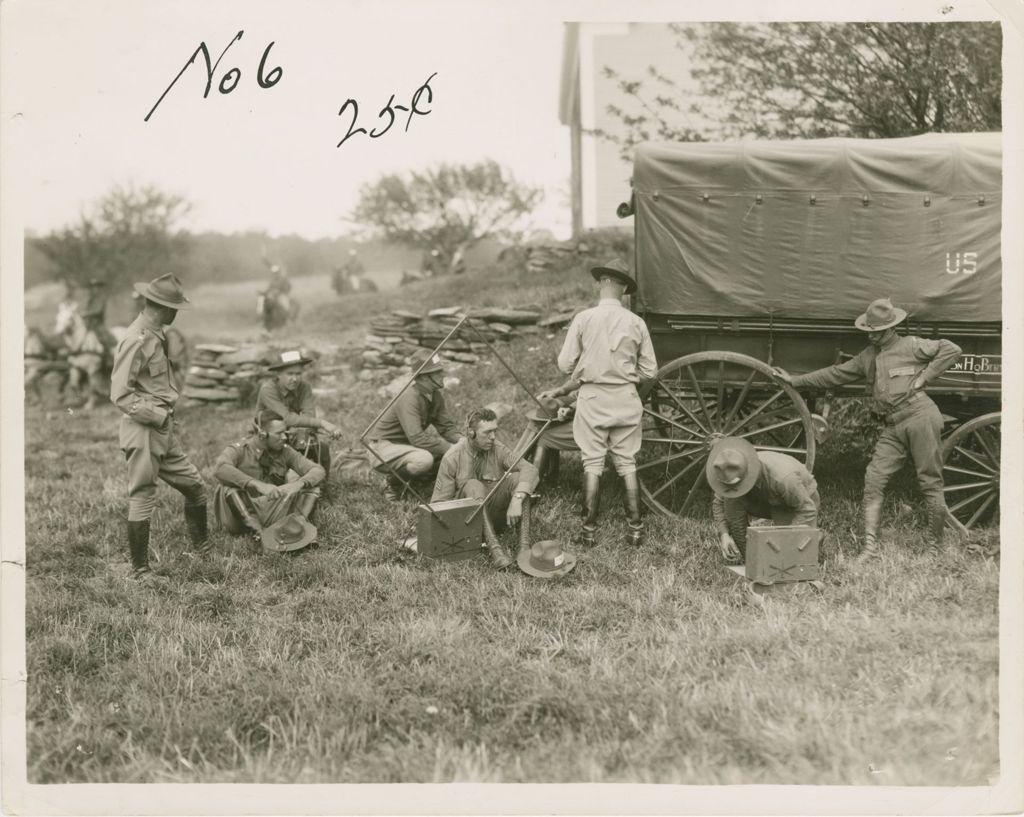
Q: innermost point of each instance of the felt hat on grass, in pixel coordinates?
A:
(293, 532)
(546, 560)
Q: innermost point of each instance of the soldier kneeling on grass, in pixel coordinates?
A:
(751, 483)
(473, 466)
(252, 490)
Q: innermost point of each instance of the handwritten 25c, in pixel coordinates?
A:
(230, 79)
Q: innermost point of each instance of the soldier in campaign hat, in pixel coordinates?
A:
(142, 387)
(288, 395)
(608, 350)
(415, 432)
(895, 368)
(763, 484)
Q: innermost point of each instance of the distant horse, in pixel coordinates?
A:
(347, 282)
(275, 309)
(43, 354)
(90, 354)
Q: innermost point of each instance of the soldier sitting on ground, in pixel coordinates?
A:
(473, 466)
(252, 491)
(291, 397)
(402, 437)
(763, 484)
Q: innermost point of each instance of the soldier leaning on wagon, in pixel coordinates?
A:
(142, 388)
(472, 466)
(292, 398)
(252, 490)
(559, 407)
(763, 484)
(402, 437)
(896, 369)
(608, 350)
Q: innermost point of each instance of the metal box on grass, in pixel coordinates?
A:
(445, 534)
(782, 554)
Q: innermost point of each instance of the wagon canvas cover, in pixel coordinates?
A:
(819, 228)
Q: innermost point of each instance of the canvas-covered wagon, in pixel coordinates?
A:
(753, 254)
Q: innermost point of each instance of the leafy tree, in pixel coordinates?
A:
(129, 234)
(448, 208)
(811, 80)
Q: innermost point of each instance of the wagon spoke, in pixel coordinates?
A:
(971, 456)
(967, 472)
(984, 442)
(984, 507)
(683, 408)
(755, 413)
(674, 479)
(670, 421)
(966, 486)
(672, 441)
(699, 394)
(669, 458)
(721, 388)
(780, 449)
(741, 399)
(694, 490)
(963, 503)
(770, 428)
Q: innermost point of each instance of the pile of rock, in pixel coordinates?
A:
(223, 374)
(394, 337)
(541, 257)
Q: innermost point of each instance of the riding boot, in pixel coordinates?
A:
(635, 533)
(524, 527)
(591, 503)
(936, 526)
(872, 511)
(138, 549)
(240, 505)
(393, 488)
(540, 461)
(499, 555)
(198, 531)
(305, 505)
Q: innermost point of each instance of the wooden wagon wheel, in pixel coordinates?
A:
(970, 469)
(700, 398)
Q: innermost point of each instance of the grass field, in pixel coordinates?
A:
(353, 663)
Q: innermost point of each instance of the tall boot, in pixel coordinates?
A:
(305, 505)
(138, 550)
(540, 461)
(936, 526)
(591, 507)
(499, 555)
(393, 488)
(198, 531)
(240, 505)
(635, 532)
(872, 511)
(524, 527)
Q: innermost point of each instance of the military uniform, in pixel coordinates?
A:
(246, 461)
(467, 472)
(784, 492)
(402, 437)
(142, 387)
(911, 422)
(608, 350)
(297, 409)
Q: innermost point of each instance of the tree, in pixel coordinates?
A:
(449, 208)
(129, 234)
(812, 80)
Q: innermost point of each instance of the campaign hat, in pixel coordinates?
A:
(165, 290)
(733, 467)
(433, 361)
(291, 533)
(880, 315)
(547, 410)
(546, 560)
(293, 357)
(619, 271)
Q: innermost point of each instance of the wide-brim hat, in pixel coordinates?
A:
(291, 533)
(293, 357)
(733, 467)
(547, 410)
(880, 315)
(619, 271)
(165, 290)
(433, 362)
(546, 560)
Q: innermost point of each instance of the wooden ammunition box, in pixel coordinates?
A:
(782, 554)
(445, 534)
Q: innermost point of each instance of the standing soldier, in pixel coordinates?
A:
(291, 397)
(143, 389)
(609, 351)
(896, 369)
